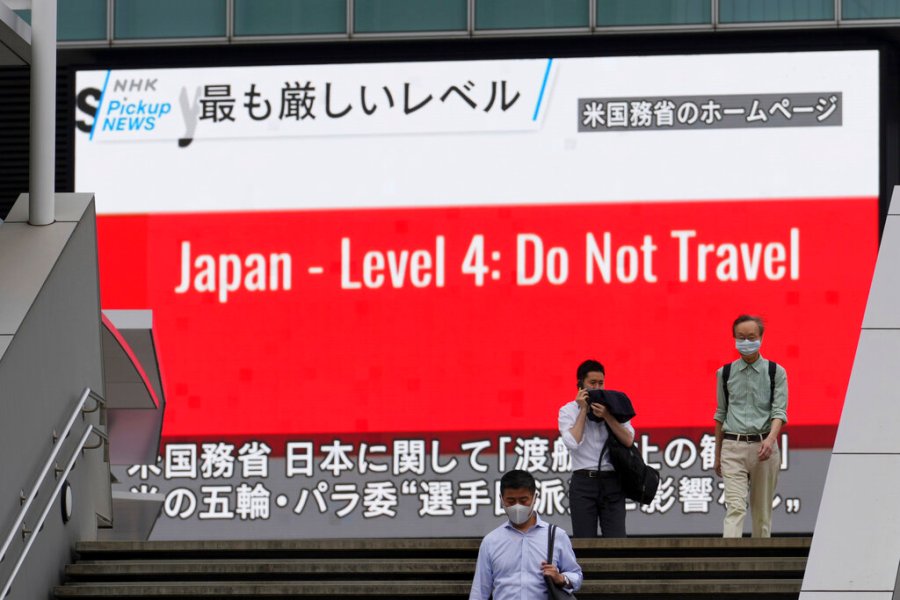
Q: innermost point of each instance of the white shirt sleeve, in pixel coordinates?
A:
(566, 421)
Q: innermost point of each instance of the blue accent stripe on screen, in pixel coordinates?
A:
(99, 104)
(537, 107)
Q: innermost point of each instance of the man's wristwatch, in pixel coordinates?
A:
(566, 582)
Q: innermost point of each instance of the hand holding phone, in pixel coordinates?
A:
(582, 398)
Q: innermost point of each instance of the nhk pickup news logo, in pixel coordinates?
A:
(123, 105)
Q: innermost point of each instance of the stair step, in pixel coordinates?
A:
(448, 567)
(597, 588)
(202, 589)
(428, 569)
(444, 547)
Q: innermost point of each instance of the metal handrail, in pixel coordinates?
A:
(40, 481)
(40, 522)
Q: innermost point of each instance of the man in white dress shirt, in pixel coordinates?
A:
(595, 493)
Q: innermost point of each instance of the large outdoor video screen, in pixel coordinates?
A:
(378, 272)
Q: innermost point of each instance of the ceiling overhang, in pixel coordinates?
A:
(15, 38)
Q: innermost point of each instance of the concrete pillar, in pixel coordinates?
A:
(42, 156)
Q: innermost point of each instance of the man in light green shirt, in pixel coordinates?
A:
(751, 409)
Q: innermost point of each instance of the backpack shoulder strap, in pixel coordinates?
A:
(605, 448)
(550, 535)
(773, 367)
(726, 373)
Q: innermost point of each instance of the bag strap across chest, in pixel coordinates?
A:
(551, 534)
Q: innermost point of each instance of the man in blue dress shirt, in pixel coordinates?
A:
(512, 560)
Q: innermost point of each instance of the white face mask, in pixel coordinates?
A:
(519, 513)
(747, 347)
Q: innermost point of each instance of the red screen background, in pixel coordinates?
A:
(447, 362)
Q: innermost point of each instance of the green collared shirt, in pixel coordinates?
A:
(748, 401)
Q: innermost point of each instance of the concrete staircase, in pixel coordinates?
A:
(645, 568)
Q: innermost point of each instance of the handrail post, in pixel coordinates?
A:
(26, 500)
(29, 535)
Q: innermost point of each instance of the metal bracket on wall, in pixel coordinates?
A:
(103, 439)
(98, 403)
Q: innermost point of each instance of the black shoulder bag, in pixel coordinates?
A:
(554, 592)
(639, 481)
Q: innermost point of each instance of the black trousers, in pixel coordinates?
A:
(597, 500)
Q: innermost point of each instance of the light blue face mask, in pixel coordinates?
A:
(747, 347)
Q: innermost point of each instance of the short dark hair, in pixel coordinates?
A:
(517, 479)
(586, 367)
(744, 319)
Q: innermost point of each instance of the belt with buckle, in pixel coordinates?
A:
(746, 437)
(593, 474)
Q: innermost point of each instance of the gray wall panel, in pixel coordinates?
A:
(871, 406)
(856, 548)
(857, 539)
(55, 354)
(884, 295)
(36, 249)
